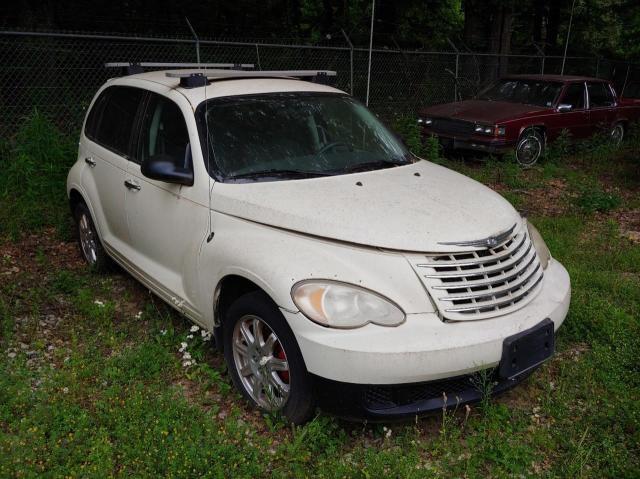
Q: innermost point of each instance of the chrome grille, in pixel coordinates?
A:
(482, 283)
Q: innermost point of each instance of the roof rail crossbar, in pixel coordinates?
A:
(324, 77)
(131, 68)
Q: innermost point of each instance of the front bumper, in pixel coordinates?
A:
(424, 348)
(488, 145)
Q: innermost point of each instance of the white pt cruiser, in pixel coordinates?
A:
(333, 267)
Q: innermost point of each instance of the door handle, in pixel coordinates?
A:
(131, 185)
(90, 161)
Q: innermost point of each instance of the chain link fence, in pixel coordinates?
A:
(58, 73)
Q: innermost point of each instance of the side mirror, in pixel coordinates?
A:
(564, 107)
(162, 168)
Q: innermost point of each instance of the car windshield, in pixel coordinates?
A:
(529, 92)
(295, 135)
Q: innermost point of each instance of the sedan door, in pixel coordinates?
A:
(576, 119)
(167, 227)
(602, 106)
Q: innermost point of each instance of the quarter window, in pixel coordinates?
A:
(600, 95)
(110, 123)
(164, 134)
(574, 96)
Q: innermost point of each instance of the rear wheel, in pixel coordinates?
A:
(264, 360)
(617, 134)
(88, 240)
(529, 148)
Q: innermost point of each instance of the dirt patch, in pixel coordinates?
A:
(549, 200)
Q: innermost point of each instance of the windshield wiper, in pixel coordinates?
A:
(279, 174)
(374, 165)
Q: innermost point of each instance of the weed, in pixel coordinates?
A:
(592, 198)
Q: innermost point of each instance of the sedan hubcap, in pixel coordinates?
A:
(529, 150)
(617, 134)
(87, 240)
(261, 363)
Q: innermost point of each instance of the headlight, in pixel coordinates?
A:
(485, 130)
(539, 245)
(501, 131)
(425, 121)
(341, 305)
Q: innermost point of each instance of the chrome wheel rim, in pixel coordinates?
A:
(261, 363)
(617, 134)
(88, 240)
(529, 150)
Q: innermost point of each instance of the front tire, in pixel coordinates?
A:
(90, 246)
(264, 360)
(617, 134)
(530, 148)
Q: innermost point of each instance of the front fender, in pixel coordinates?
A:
(276, 259)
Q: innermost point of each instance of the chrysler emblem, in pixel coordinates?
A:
(490, 242)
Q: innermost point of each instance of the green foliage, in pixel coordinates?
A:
(32, 186)
(409, 130)
(592, 198)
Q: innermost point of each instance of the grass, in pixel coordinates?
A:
(93, 382)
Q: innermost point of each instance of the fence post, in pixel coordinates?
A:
(195, 36)
(346, 37)
(258, 57)
(542, 57)
(457, 72)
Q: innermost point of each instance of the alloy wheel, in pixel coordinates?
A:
(261, 362)
(88, 239)
(529, 150)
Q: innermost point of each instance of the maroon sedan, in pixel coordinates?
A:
(524, 112)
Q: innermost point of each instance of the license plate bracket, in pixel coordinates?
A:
(527, 349)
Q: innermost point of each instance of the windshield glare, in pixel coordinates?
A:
(313, 134)
(530, 92)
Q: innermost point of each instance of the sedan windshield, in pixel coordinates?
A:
(295, 135)
(529, 92)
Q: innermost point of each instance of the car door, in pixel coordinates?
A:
(106, 148)
(576, 119)
(167, 226)
(602, 106)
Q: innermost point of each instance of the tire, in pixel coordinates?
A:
(530, 148)
(269, 372)
(617, 134)
(88, 240)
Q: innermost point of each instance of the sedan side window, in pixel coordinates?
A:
(164, 135)
(574, 96)
(600, 95)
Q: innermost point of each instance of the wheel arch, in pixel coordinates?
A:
(538, 127)
(75, 198)
(231, 287)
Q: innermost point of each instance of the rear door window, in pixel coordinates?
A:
(600, 95)
(574, 96)
(113, 122)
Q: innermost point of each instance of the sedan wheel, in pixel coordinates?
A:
(261, 363)
(617, 134)
(530, 148)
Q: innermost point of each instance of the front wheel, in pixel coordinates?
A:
(264, 360)
(90, 246)
(617, 134)
(530, 148)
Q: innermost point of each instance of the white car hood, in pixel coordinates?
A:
(393, 209)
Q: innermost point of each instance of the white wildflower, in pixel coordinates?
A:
(189, 336)
(65, 390)
(186, 355)
(388, 434)
(138, 315)
(11, 355)
(99, 303)
(183, 346)
(163, 332)
(186, 364)
(194, 329)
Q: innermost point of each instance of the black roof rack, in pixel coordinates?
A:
(132, 68)
(201, 78)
